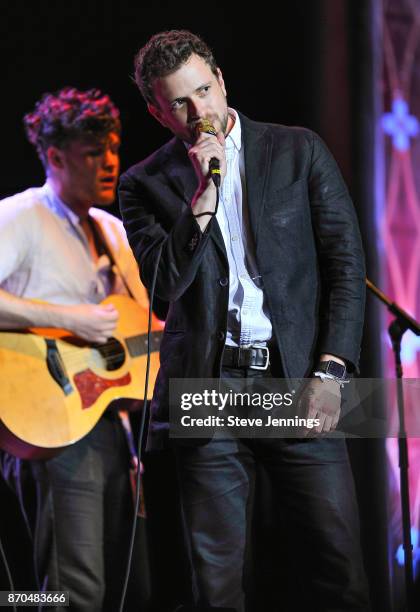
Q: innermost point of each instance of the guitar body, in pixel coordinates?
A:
(55, 387)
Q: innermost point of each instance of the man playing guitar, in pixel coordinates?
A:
(56, 268)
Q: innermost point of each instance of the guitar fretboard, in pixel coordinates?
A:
(137, 345)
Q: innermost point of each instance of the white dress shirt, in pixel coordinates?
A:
(248, 321)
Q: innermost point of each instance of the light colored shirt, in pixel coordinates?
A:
(248, 320)
(45, 255)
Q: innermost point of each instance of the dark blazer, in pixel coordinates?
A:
(308, 250)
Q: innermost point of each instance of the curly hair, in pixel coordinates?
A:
(163, 54)
(70, 114)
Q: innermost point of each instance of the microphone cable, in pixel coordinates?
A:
(8, 572)
(141, 435)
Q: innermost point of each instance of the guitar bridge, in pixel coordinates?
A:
(56, 367)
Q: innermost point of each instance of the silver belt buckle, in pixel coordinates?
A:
(267, 361)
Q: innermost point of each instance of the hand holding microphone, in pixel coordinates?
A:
(208, 154)
(205, 127)
(208, 158)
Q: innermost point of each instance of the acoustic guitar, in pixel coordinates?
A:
(54, 386)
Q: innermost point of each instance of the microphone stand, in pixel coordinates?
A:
(396, 330)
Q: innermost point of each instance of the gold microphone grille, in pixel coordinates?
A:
(205, 126)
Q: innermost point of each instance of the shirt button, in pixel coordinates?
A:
(221, 335)
(223, 282)
(234, 238)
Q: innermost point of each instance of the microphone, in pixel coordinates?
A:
(204, 126)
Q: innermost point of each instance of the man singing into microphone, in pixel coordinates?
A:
(269, 284)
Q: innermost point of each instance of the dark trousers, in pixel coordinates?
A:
(83, 519)
(314, 505)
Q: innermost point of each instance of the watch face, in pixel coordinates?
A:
(336, 369)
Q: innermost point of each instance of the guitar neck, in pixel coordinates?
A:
(137, 345)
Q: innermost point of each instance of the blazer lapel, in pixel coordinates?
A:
(180, 172)
(257, 151)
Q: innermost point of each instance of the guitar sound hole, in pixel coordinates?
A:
(112, 354)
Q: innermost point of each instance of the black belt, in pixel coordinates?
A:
(254, 357)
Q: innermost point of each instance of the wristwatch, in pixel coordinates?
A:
(333, 368)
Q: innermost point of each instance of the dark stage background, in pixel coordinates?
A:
(306, 63)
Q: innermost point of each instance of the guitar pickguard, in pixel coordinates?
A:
(91, 386)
